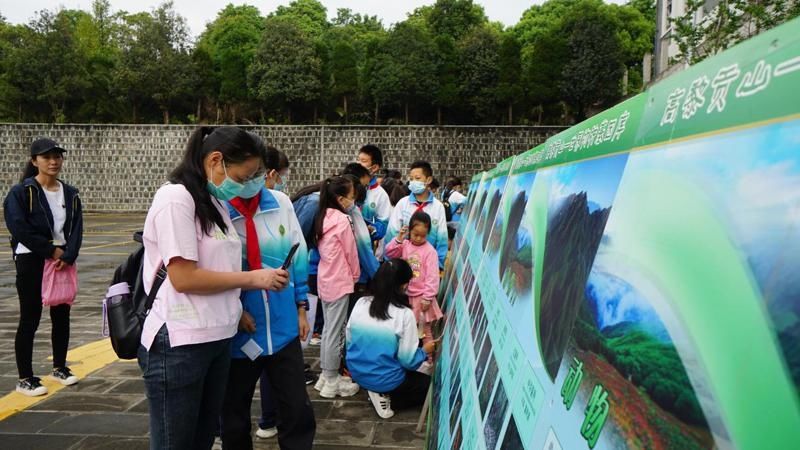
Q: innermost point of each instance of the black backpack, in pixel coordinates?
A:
(448, 214)
(126, 312)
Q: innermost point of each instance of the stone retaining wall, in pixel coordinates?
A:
(119, 167)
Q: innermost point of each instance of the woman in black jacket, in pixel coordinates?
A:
(44, 218)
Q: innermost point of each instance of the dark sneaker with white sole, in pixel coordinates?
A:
(64, 376)
(32, 387)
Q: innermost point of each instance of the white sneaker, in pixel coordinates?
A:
(332, 389)
(382, 404)
(267, 433)
(64, 376)
(320, 383)
(32, 387)
(315, 340)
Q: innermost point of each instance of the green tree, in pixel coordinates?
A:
(49, 66)
(346, 43)
(455, 18)
(344, 74)
(646, 7)
(11, 98)
(539, 20)
(595, 66)
(727, 24)
(285, 72)
(309, 15)
(96, 37)
(543, 54)
(480, 72)
(156, 70)
(231, 41)
(446, 94)
(413, 47)
(509, 87)
(635, 31)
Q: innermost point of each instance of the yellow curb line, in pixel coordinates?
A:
(85, 360)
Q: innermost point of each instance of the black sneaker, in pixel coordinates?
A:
(64, 376)
(32, 387)
(311, 378)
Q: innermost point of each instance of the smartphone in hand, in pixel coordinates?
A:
(288, 261)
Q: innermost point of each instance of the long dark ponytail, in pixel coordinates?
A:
(29, 171)
(236, 146)
(331, 189)
(385, 287)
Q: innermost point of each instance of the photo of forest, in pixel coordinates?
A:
(515, 269)
(490, 219)
(495, 226)
(580, 203)
(625, 347)
(755, 193)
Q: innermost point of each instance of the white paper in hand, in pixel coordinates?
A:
(252, 350)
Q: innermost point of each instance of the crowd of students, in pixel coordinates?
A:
(367, 251)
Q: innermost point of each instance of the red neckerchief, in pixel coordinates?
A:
(421, 206)
(373, 183)
(247, 207)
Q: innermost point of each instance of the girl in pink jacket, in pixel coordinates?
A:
(424, 262)
(337, 274)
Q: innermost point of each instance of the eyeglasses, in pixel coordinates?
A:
(257, 176)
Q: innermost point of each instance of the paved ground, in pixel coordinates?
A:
(107, 409)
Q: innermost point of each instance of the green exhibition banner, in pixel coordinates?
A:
(633, 281)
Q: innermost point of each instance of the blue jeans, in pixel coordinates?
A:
(185, 387)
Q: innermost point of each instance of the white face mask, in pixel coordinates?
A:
(284, 181)
(417, 187)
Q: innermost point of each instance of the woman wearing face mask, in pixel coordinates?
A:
(275, 321)
(337, 273)
(186, 338)
(278, 176)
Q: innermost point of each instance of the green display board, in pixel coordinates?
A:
(634, 282)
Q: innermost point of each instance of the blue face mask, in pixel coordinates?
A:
(228, 190)
(252, 188)
(417, 187)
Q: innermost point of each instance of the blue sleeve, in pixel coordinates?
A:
(441, 249)
(380, 229)
(299, 266)
(368, 262)
(306, 209)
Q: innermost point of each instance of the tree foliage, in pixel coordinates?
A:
(726, 24)
(446, 63)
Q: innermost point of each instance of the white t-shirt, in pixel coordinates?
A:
(59, 209)
(55, 199)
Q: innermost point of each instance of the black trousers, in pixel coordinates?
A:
(411, 393)
(296, 424)
(29, 288)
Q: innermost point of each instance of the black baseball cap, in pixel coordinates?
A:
(44, 145)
